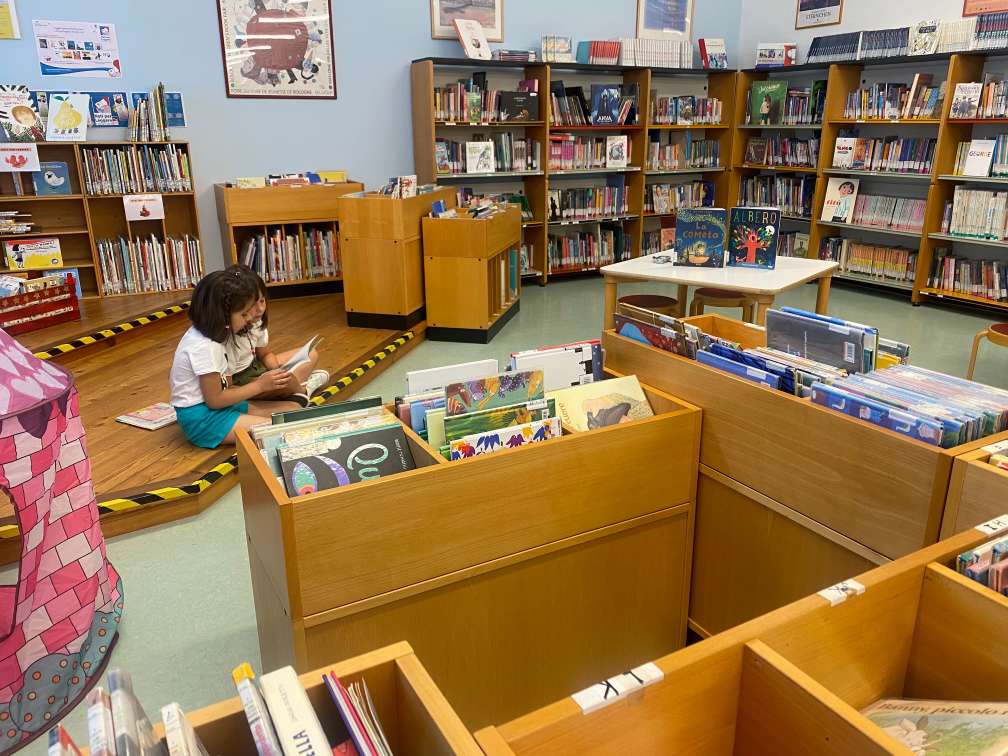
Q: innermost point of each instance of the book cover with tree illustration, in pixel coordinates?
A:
(753, 239)
(943, 728)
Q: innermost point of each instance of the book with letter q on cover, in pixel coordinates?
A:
(150, 418)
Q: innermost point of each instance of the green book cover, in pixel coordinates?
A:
(323, 410)
(435, 427)
(500, 390)
(766, 103)
(500, 417)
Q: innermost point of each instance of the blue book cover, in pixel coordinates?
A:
(52, 180)
(174, 110)
(754, 232)
(108, 109)
(700, 235)
(76, 276)
(605, 103)
(735, 368)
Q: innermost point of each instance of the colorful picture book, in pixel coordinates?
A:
(19, 115)
(966, 100)
(841, 194)
(766, 102)
(150, 418)
(511, 437)
(616, 151)
(987, 564)
(485, 421)
(753, 237)
(605, 104)
(601, 404)
(943, 728)
(473, 38)
(52, 179)
(33, 255)
(495, 391)
(700, 236)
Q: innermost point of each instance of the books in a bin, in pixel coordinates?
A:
(152, 417)
(602, 403)
(61, 744)
(943, 728)
(259, 721)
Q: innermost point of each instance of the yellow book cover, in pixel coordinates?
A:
(33, 255)
(332, 177)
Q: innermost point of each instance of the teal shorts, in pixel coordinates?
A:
(207, 427)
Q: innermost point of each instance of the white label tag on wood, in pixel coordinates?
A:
(609, 691)
(837, 594)
(997, 448)
(995, 526)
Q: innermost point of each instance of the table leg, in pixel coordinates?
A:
(763, 303)
(681, 296)
(822, 295)
(609, 306)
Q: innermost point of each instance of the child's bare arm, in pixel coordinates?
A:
(267, 358)
(218, 397)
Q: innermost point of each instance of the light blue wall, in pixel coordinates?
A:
(367, 130)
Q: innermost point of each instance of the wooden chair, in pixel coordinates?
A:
(656, 302)
(995, 334)
(706, 296)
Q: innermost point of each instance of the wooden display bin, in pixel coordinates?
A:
(383, 257)
(414, 715)
(842, 494)
(794, 681)
(507, 572)
(977, 491)
(472, 275)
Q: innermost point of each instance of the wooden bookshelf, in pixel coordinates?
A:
(416, 718)
(425, 73)
(792, 496)
(469, 561)
(794, 681)
(82, 217)
(472, 276)
(978, 491)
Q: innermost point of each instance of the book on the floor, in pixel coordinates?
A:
(766, 102)
(700, 237)
(180, 738)
(53, 179)
(348, 459)
(302, 355)
(511, 437)
(753, 238)
(325, 410)
(101, 732)
(493, 391)
(297, 726)
(150, 418)
(944, 728)
(841, 194)
(259, 721)
(61, 744)
(602, 403)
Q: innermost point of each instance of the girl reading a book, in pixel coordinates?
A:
(249, 356)
(209, 408)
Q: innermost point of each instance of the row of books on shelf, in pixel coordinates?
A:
(303, 178)
(281, 720)
(925, 37)
(793, 244)
(879, 261)
(148, 264)
(662, 199)
(15, 223)
(467, 197)
(685, 110)
(987, 279)
(980, 99)
(585, 250)
(611, 105)
(669, 53)
(896, 100)
(976, 214)
(843, 204)
(791, 152)
(569, 152)
(471, 101)
(774, 103)
(895, 154)
(987, 564)
(586, 203)
(143, 168)
(487, 154)
(983, 158)
(676, 153)
(283, 256)
(792, 194)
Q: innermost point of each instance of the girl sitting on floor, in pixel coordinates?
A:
(249, 356)
(208, 408)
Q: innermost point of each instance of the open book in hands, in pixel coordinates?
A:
(302, 355)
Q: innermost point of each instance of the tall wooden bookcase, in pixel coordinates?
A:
(80, 218)
(426, 73)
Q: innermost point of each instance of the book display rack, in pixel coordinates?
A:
(289, 234)
(91, 215)
(382, 247)
(468, 567)
(781, 476)
(471, 275)
(795, 680)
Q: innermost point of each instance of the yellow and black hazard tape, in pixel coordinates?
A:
(108, 333)
(231, 463)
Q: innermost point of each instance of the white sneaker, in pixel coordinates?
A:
(318, 379)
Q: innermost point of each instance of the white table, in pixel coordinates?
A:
(759, 283)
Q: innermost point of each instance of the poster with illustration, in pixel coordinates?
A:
(77, 48)
(276, 48)
(68, 117)
(141, 207)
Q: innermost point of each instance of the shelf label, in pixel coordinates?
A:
(450, 123)
(995, 526)
(1000, 446)
(609, 691)
(837, 594)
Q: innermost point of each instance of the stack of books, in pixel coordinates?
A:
(570, 152)
(987, 279)
(982, 157)
(148, 121)
(589, 203)
(599, 52)
(664, 199)
(782, 151)
(884, 43)
(685, 110)
(793, 244)
(487, 154)
(471, 101)
(165, 169)
(896, 213)
(987, 564)
(15, 223)
(999, 461)
(875, 260)
(805, 105)
(467, 197)
(322, 253)
(991, 31)
(792, 195)
(111, 170)
(682, 151)
(574, 251)
(610, 105)
(834, 47)
(148, 264)
(656, 53)
(890, 101)
(895, 154)
(514, 56)
(976, 214)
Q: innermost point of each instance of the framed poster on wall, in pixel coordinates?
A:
(490, 14)
(976, 7)
(818, 13)
(664, 19)
(277, 49)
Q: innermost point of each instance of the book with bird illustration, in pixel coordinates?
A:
(478, 444)
(752, 242)
(601, 404)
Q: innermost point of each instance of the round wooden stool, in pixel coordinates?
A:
(655, 302)
(995, 334)
(723, 298)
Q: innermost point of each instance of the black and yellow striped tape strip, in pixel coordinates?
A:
(108, 333)
(231, 464)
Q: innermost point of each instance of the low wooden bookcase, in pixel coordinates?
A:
(472, 275)
(793, 681)
(383, 257)
(977, 490)
(508, 573)
(792, 496)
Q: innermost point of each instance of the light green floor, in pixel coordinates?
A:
(189, 618)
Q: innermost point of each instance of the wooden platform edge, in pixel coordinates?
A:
(170, 503)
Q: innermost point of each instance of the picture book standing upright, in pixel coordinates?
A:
(753, 239)
(841, 193)
(700, 235)
(766, 102)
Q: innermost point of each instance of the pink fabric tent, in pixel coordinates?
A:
(58, 623)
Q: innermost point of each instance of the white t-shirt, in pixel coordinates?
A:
(195, 355)
(240, 348)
